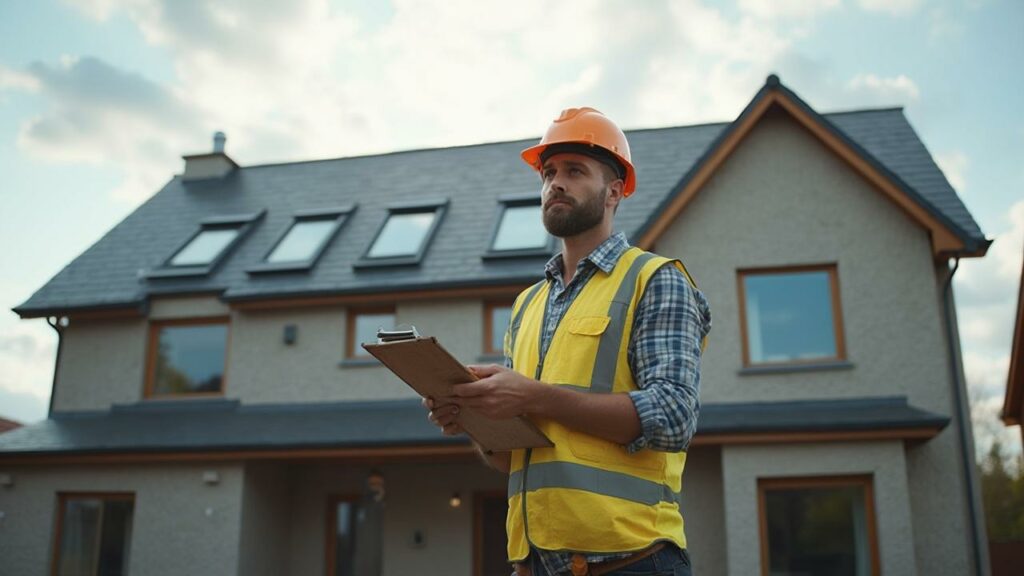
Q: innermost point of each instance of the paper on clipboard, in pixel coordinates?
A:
(423, 364)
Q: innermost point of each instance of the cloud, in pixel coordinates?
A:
(986, 294)
(27, 352)
(954, 165)
(99, 114)
(17, 80)
(892, 7)
(769, 9)
(869, 89)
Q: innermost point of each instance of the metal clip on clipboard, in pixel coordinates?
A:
(396, 335)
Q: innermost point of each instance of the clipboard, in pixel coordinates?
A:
(430, 370)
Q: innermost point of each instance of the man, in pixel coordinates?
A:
(604, 356)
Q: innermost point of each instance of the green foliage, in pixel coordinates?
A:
(1002, 491)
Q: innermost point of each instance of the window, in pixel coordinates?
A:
(405, 235)
(207, 247)
(489, 539)
(497, 316)
(818, 526)
(520, 229)
(93, 534)
(363, 326)
(302, 243)
(187, 357)
(790, 316)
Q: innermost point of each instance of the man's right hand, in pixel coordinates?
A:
(444, 416)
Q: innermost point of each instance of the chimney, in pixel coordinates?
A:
(209, 166)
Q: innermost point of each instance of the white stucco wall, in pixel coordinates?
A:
(180, 525)
(742, 466)
(704, 511)
(266, 509)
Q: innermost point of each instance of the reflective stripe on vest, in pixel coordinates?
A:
(596, 480)
(603, 377)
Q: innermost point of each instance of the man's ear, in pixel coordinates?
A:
(615, 188)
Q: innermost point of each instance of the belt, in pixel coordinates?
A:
(580, 567)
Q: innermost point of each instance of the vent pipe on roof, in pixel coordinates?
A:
(212, 165)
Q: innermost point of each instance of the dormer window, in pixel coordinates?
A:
(405, 234)
(519, 229)
(304, 240)
(207, 247)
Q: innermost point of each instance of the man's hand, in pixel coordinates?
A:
(500, 393)
(443, 415)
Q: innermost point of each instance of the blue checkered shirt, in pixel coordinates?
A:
(669, 325)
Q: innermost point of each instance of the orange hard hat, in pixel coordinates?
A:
(586, 131)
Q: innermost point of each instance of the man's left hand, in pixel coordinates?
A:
(500, 393)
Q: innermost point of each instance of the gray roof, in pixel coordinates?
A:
(111, 273)
(227, 425)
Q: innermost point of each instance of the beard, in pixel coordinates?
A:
(565, 222)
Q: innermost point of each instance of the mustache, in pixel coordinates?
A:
(559, 198)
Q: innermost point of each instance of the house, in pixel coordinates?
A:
(1013, 403)
(213, 412)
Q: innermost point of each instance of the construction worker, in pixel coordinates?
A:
(604, 356)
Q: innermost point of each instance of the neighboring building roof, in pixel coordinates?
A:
(6, 425)
(112, 272)
(1013, 403)
(205, 426)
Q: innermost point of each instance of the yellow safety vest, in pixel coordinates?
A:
(586, 494)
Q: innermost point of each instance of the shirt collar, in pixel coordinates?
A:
(604, 257)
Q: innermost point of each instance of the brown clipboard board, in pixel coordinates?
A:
(432, 371)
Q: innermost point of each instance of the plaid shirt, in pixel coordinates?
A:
(670, 322)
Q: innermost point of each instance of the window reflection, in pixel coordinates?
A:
(789, 316)
(520, 228)
(403, 234)
(190, 359)
(205, 247)
(303, 240)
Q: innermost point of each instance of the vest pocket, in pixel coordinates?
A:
(594, 449)
(588, 325)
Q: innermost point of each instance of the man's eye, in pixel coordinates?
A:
(548, 174)
(575, 171)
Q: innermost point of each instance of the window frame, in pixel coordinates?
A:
(341, 215)
(152, 343)
(840, 359)
(488, 325)
(439, 209)
(865, 481)
(62, 499)
(516, 201)
(244, 223)
(351, 357)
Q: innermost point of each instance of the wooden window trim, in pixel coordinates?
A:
(62, 499)
(478, 527)
(489, 326)
(350, 329)
(863, 481)
(152, 344)
(330, 560)
(837, 314)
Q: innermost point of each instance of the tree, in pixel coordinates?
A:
(1003, 496)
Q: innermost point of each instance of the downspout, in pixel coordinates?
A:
(963, 411)
(58, 323)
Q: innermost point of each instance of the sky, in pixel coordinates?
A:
(100, 98)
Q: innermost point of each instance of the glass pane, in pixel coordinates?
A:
(116, 534)
(79, 537)
(521, 228)
(789, 316)
(345, 539)
(303, 239)
(205, 247)
(190, 359)
(500, 318)
(403, 235)
(366, 329)
(817, 531)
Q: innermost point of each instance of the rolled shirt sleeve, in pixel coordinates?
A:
(669, 326)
